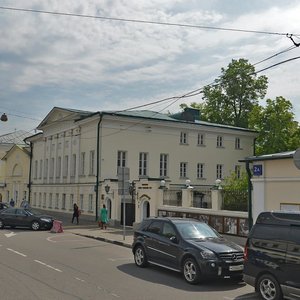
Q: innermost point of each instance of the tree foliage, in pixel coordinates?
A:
(277, 129)
(232, 96)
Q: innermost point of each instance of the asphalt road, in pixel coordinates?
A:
(41, 265)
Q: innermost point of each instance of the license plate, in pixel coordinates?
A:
(236, 268)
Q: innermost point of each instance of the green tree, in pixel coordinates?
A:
(277, 128)
(236, 192)
(233, 95)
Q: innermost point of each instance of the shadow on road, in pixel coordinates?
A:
(172, 279)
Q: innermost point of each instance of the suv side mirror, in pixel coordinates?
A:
(173, 239)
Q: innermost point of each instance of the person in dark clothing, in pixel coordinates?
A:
(75, 213)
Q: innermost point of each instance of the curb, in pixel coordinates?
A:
(119, 243)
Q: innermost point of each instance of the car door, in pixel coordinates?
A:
(22, 219)
(292, 267)
(151, 241)
(9, 216)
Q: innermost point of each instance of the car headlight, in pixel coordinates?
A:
(46, 220)
(207, 254)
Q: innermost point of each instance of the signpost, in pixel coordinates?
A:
(123, 189)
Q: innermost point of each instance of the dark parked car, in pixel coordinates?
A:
(187, 246)
(3, 205)
(272, 255)
(22, 217)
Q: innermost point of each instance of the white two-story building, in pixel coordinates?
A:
(75, 158)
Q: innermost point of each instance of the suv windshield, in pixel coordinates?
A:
(195, 230)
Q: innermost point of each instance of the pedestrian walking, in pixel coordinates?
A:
(103, 217)
(12, 202)
(75, 213)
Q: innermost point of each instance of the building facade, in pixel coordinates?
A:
(78, 155)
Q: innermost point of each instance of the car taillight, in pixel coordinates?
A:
(246, 251)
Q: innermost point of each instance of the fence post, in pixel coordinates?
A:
(216, 199)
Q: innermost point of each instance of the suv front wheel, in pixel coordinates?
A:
(140, 257)
(268, 288)
(191, 271)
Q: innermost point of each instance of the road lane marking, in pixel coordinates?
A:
(48, 266)
(16, 252)
(59, 238)
(79, 279)
(10, 234)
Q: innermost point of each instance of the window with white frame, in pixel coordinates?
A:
(91, 204)
(63, 201)
(219, 141)
(71, 201)
(183, 138)
(58, 167)
(50, 200)
(41, 170)
(92, 163)
(82, 163)
(201, 139)
(73, 167)
(183, 170)
(40, 200)
(81, 201)
(219, 174)
(51, 167)
(44, 200)
(56, 200)
(66, 166)
(121, 159)
(46, 169)
(143, 164)
(237, 143)
(237, 171)
(200, 170)
(35, 169)
(163, 165)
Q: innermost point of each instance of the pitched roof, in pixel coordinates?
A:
(16, 137)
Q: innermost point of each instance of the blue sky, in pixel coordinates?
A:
(93, 64)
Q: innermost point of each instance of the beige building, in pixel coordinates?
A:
(14, 166)
(76, 156)
(276, 183)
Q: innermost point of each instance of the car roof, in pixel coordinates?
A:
(174, 219)
(279, 217)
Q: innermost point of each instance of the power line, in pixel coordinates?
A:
(142, 21)
(272, 66)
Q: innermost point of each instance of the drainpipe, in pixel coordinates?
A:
(98, 162)
(250, 218)
(29, 176)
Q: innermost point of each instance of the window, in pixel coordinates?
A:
(92, 163)
(66, 166)
(155, 227)
(73, 169)
(143, 164)
(46, 169)
(58, 167)
(35, 169)
(219, 141)
(200, 139)
(51, 167)
(183, 170)
(219, 171)
(237, 171)
(63, 201)
(200, 170)
(183, 138)
(81, 201)
(50, 200)
(71, 202)
(44, 200)
(41, 169)
(163, 165)
(82, 163)
(237, 143)
(90, 202)
(56, 201)
(121, 159)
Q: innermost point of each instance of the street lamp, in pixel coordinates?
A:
(4, 117)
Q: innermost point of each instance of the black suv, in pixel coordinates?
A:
(187, 246)
(272, 255)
